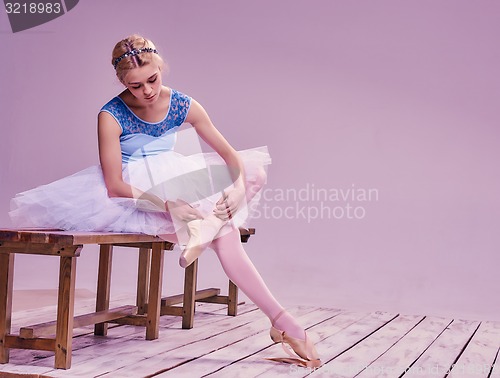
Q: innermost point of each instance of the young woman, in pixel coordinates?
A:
(143, 185)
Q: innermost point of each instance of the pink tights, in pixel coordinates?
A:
(240, 269)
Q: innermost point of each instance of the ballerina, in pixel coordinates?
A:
(143, 185)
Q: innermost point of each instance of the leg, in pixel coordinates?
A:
(203, 231)
(201, 234)
(6, 280)
(253, 186)
(155, 284)
(143, 279)
(240, 269)
(232, 306)
(188, 301)
(103, 286)
(65, 311)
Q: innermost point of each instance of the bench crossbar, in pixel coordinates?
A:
(49, 328)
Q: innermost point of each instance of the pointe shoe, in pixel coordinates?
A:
(201, 233)
(303, 348)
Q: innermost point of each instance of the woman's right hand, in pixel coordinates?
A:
(182, 210)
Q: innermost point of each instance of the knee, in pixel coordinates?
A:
(260, 177)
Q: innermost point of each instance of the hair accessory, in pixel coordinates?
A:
(134, 52)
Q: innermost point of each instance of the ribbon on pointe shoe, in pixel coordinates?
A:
(294, 359)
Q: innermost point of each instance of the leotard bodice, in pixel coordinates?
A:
(140, 138)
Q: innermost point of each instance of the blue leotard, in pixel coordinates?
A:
(149, 160)
(148, 138)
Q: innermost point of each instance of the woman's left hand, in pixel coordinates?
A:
(229, 203)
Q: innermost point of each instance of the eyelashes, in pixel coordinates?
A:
(149, 81)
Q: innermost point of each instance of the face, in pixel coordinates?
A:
(144, 83)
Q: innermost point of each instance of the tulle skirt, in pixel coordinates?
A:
(80, 202)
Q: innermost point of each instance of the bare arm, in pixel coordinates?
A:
(200, 120)
(230, 202)
(111, 161)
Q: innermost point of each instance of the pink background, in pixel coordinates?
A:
(401, 97)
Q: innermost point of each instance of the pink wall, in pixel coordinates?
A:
(398, 97)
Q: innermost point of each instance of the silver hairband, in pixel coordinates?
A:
(134, 52)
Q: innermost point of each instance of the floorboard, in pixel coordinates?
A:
(351, 344)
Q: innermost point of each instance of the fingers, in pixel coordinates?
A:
(225, 216)
(222, 199)
(185, 212)
(226, 209)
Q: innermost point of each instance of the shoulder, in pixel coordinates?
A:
(180, 103)
(111, 113)
(180, 98)
(112, 105)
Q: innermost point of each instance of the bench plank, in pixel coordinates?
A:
(27, 247)
(51, 236)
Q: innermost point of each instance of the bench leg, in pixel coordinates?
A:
(65, 312)
(232, 299)
(103, 286)
(6, 281)
(143, 279)
(190, 277)
(155, 285)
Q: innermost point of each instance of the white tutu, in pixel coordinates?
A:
(80, 202)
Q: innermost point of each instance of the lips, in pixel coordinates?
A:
(150, 97)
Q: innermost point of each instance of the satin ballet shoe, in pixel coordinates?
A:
(304, 349)
(201, 233)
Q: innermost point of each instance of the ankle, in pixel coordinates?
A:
(290, 326)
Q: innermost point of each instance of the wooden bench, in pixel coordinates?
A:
(57, 336)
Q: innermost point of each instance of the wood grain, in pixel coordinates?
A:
(30, 248)
(155, 285)
(6, 282)
(65, 312)
(478, 358)
(396, 360)
(51, 236)
(49, 328)
(223, 346)
(444, 351)
(143, 268)
(103, 285)
(190, 278)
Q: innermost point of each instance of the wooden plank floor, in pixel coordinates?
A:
(351, 344)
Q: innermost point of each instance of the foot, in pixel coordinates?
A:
(301, 346)
(201, 233)
(193, 248)
(287, 323)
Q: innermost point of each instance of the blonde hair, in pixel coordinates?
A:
(134, 42)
